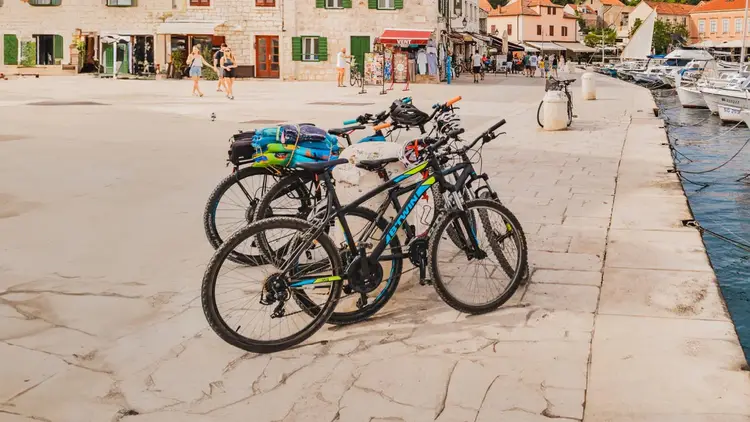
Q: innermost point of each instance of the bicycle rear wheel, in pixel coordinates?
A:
(501, 246)
(257, 308)
(570, 109)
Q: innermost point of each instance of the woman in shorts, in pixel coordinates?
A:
(229, 65)
(196, 61)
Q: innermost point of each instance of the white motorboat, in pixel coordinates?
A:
(649, 76)
(691, 97)
(735, 95)
(729, 113)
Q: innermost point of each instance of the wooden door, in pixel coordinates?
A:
(360, 46)
(266, 56)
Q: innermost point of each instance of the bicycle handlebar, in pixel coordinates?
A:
(351, 122)
(381, 126)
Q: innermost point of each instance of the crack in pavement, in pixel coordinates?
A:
(32, 417)
(32, 316)
(61, 357)
(62, 293)
(479, 410)
(441, 406)
(26, 390)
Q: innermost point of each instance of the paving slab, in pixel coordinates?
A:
(103, 252)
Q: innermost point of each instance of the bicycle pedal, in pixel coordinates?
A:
(425, 282)
(575, 116)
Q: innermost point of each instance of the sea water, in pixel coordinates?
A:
(720, 202)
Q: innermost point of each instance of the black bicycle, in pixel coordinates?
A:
(552, 84)
(301, 284)
(355, 76)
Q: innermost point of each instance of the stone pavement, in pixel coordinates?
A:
(102, 254)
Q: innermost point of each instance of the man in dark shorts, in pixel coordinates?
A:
(217, 65)
(476, 63)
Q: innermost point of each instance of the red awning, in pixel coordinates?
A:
(405, 37)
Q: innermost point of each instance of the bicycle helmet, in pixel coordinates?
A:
(448, 122)
(411, 152)
(406, 114)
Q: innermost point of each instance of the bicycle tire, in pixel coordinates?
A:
(208, 296)
(347, 318)
(352, 78)
(440, 285)
(209, 213)
(570, 108)
(539, 114)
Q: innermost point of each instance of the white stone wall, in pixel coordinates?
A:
(23, 20)
(338, 25)
(243, 21)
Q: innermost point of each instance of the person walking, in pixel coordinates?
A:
(196, 61)
(229, 65)
(533, 61)
(540, 63)
(562, 62)
(476, 62)
(217, 64)
(554, 67)
(341, 66)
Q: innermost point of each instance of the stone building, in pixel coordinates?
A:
(140, 34)
(292, 39)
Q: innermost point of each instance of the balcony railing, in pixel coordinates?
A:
(121, 3)
(45, 2)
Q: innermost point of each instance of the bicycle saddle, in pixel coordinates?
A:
(373, 165)
(343, 130)
(322, 166)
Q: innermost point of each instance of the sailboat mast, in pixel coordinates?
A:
(744, 36)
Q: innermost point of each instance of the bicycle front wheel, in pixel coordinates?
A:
(478, 280)
(570, 110)
(232, 205)
(258, 308)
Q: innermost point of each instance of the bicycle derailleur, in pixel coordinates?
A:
(275, 290)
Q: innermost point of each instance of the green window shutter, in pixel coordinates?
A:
(346, 4)
(58, 43)
(372, 4)
(322, 49)
(56, 2)
(297, 49)
(398, 4)
(320, 4)
(10, 48)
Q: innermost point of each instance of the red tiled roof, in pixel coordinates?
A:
(514, 9)
(663, 8)
(485, 5)
(612, 2)
(714, 5)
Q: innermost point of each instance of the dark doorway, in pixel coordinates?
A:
(45, 49)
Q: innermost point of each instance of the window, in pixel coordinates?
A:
(120, 3)
(385, 4)
(725, 26)
(539, 29)
(265, 3)
(44, 2)
(493, 28)
(551, 30)
(549, 12)
(310, 49)
(510, 29)
(713, 26)
(564, 31)
(747, 26)
(701, 26)
(200, 3)
(554, 10)
(684, 20)
(737, 25)
(333, 4)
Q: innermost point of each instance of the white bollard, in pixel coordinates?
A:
(555, 110)
(588, 86)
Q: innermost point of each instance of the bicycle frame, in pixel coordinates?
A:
(418, 189)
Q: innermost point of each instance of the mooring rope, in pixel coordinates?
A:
(701, 229)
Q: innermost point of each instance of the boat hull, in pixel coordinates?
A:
(730, 113)
(690, 97)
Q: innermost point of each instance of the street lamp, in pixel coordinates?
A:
(464, 22)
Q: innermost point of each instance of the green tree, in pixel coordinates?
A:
(663, 32)
(582, 25)
(28, 54)
(636, 25)
(594, 37)
(498, 3)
